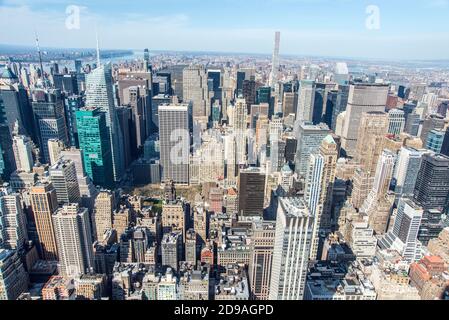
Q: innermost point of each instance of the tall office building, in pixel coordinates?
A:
(362, 98)
(7, 161)
(22, 147)
(195, 90)
(431, 122)
(174, 135)
(407, 168)
(289, 103)
(102, 213)
(293, 237)
(13, 277)
(95, 146)
(373, 128)
(431, 193)
(64, 180)
(171, 250)
(275, 60)
(15, 104)
(329, 152)
(100, 94)
(49, 115)
(435, 140)
(44, 203)
(396, 119)
(74, 240)
(309, 140)
(432, 183)
(13, 224)
(404, 235)
(306, 100)
(313, 198)
(251, 190)
(259, 270)
(339, 101)
(240, 125)
(382, 180)
(322, 110)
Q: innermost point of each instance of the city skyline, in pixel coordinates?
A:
(358, 29)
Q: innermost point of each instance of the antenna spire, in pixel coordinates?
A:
(40, 58)
(98, 49)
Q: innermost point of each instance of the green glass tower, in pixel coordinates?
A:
(94, 142)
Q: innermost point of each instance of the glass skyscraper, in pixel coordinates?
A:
(94, 143)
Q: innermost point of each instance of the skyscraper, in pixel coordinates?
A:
(431, 193)
(102, 213)
(13, 277)
(44, 203)
(64, 180)
(396, 119)
(309, 140)
(407, 168)
(13, 226)
(293, 238)
(362, 98)
(306, 100)
(95, 145)
(195, 90)
(174, 135)
(99, 94)
(403, 236)
(373, 128)
(48, 109)
(259, 270)
(313, 198)
(275, 60)
(74, 240)
(251, 190)
(22, 147)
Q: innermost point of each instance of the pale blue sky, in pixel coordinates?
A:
(409, 29)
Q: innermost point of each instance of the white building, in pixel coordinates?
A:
(404, 236)
(74, 240)
(294, 230)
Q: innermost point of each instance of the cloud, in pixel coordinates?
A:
(179, 31)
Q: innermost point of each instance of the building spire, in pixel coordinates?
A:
(98, 49)
(40, 59)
